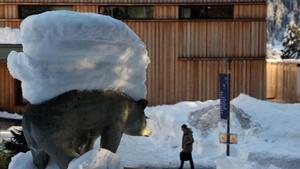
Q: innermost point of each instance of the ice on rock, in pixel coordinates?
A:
(68, 50)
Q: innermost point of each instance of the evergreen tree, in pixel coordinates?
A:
(17, 143)
(291, 43)
(12, 147)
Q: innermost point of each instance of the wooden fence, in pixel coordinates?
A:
(282, 85)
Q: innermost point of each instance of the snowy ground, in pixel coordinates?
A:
(5, 134)
(268, 136)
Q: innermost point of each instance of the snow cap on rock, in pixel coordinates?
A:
(65, 50)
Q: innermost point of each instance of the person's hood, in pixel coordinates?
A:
(189, 131)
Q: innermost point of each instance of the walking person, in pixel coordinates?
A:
(187, 146)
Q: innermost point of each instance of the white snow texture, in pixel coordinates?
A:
(272, 140)
(93, 159)
(9, 36)
(7, 115)
(66, 50)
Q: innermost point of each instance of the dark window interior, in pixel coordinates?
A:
(27, 10)
(19, 98)
(128, 12)
(206, 12)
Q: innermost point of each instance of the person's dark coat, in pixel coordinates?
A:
(187, 141)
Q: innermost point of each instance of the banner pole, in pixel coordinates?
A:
(228, 118)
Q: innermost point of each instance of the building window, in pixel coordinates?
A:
(206, 12)
(27, 10)
(128, 12)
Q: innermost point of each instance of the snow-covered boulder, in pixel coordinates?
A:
(64, 51)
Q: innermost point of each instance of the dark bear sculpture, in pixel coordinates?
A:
(66, 126)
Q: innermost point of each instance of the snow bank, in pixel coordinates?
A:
(7, 115)
(273, 129)
(237, 163)
(93, 159)
(24, 160)
(279, 125)
(9, 36)
(295, 61)
(96, 159)
(90, 51)
(268, 136)
(274, 51)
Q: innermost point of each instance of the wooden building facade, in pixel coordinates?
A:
(188, 43)
(283, 81)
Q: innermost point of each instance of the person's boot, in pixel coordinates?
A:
(192, 164)
(181, 165)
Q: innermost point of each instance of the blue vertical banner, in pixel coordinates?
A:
(224, 95)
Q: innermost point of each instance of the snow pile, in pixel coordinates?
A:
(274, 51)
(237, 163)
(7, 115)
(268, 136)
(24, 160)
(207, 120)
(264, 129)
(93, 159)
(279, 126)
(9, 36)
(90, 51)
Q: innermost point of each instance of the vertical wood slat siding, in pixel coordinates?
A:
(165, 12)
(282, 82)
(205, 84)
(222, 39)
(170, 80)
(8, 11)
(271, 80)
(12, 24)
(86, 8)
(8, 91)
(250, 11)
(127, 1)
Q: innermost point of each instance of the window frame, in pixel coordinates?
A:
(47, 7)
(207, 17)
(127, 7)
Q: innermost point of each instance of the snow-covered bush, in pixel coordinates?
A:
(12, 147)
(279, 14)
(291, 43)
